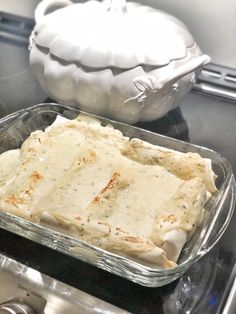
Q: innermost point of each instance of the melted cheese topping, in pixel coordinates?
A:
(129, 197)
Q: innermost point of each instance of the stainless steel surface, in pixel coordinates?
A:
(210, 74)
(217, 81)
(230, 78)
(216, 91)
(14, 307)
(27, 291)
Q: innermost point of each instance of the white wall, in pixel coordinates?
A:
(19, 7)
(212, 23)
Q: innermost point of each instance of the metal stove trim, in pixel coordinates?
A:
(30, 282)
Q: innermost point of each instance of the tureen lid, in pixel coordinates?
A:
(113, 34)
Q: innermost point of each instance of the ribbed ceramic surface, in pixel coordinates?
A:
(97, 35)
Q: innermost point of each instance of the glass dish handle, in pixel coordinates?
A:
(217, 228)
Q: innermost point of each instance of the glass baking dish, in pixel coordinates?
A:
(15, 128)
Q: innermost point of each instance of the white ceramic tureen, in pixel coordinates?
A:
(126, 61)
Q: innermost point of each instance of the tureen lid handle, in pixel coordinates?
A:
(116, 5)
(47, 6)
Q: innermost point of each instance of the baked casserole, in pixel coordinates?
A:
(124, 195)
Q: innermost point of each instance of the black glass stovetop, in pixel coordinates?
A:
(200, 119)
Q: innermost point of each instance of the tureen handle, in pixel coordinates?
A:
(116, 5)
(183, 70)
(47, 6)
(149, 82)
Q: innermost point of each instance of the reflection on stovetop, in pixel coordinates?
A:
(198, 291)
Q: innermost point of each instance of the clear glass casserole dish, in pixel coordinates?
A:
(15, 128)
